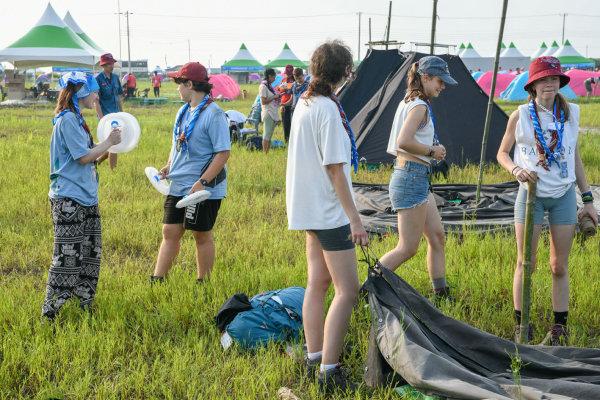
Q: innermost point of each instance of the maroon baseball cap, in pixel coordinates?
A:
(192, 71)
(542, 67)
(107, 58)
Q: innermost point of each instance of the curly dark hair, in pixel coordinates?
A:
(329, 64)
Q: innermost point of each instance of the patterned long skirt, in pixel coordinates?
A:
(77, 251)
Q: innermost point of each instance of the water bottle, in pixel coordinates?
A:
(114, 124)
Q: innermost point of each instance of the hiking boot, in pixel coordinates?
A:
(156, 279)
(335, 379)
(442, 295)
(557, 336)
(518, 334)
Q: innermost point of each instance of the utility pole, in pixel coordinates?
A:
(119, 23)
(387, 38)
(433, 21)
(359, 18)
(370, 30)
(563, 30)
(127, 13)
(189, 51)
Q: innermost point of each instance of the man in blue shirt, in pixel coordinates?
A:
(110, 95)
(110, 99)
(199, 151)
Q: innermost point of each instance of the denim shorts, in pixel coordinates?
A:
(409, 185)
(561, 211)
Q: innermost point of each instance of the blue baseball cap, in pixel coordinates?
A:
(435, 66)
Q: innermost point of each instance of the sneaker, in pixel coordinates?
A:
(557, 336)
(299, 353)
(518, 334)
(335, 379)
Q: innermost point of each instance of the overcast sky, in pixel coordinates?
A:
(215, 29)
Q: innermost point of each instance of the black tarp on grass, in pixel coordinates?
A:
(495, 211)
(460, 112)
(415, 342)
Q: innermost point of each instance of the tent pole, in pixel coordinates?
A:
(527, 267)
(387, 36)
(433, 21)
(359, 20)
(488, 115)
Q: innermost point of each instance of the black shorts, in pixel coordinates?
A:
(335, 239)
(200, 217)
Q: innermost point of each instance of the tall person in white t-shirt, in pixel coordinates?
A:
(544, 134)
(319, 201)
(413, 141)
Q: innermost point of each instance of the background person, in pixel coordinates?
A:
(287, 100)
(269, 103)
(545, 133)
(156, 83)
(110, 95)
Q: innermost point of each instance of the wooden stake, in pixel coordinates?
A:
(527, 267)
(488, 114)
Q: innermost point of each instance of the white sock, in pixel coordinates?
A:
(327, 367)
(314, 356)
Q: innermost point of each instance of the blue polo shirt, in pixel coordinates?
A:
(210, 135)
(69, 178)
(110, 90)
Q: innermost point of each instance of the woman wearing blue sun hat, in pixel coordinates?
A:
(74, 196)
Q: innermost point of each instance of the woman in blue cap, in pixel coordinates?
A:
(414, 143)
(74, 196)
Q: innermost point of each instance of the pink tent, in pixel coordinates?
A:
(502, 82)
(225, 86)
(578, 76)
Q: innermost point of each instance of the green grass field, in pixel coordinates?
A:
(161, 342)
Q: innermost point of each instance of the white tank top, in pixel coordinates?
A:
(423, 135)
(550, 183)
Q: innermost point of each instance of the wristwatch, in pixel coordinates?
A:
(204, 182)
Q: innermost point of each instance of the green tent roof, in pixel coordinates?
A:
(70, 22)
(50, 42)
(286, 57)
(243, 61)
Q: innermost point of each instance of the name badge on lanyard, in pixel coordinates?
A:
(560, 154)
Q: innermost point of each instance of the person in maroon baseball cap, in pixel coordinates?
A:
(200, 148)
(110, 96)
(544, 135)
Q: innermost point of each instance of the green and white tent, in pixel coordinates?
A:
(286, 57)
(70, 22)
(540, 51)
(551, 50)
(511, 51)
(243, 61)
(470, 52)
(461, 48)
(571, 58)
(49, 42)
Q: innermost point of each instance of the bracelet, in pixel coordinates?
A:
(587, 197)
(513, 170)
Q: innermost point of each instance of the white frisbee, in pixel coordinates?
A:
(130, 131)
(193, 199)
(156, 180)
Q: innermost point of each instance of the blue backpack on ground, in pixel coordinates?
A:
(276, 316)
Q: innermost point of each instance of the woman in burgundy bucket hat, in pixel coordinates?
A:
(544, 134)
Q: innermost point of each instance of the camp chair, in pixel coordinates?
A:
(145, 93)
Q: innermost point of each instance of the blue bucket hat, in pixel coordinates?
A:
(77, 77)
(435, 66)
